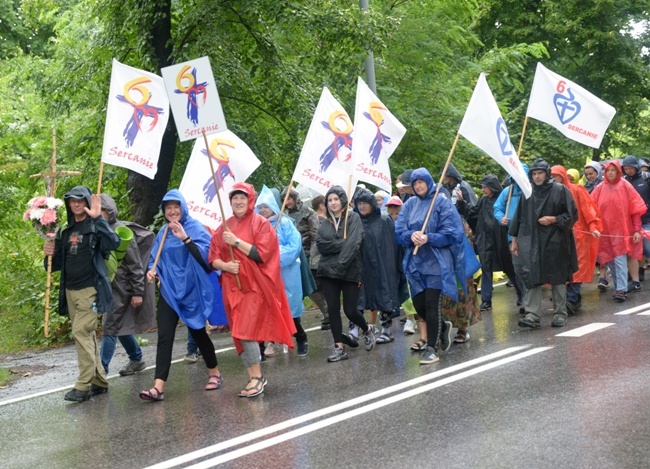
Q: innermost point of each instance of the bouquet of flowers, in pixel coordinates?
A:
(43, 213)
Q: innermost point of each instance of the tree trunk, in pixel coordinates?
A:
(145, 194)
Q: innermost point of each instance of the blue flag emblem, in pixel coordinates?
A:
(503, 137)
(566, 107)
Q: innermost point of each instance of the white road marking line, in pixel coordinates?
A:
(636, 309)
(647, 313)
(327, 410)
(64, 388)
(580, 331)
(361, 410)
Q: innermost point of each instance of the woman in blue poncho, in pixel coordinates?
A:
(185, 290)
(290, 243)
(439, 261)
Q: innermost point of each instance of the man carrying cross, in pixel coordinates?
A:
(78, 251)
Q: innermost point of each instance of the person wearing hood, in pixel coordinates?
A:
(403, 184)
(593, 174)
(490, 239)
(586, 232)
(621, 208)
(290, 245)
(462, 194)
(78, 250)
(245, 249)
(339, 242)
(134, 299)
(380, 267)
(439, 265)
(186, 291)
(500, 207)
(644, 165)
(307, 224)
(542, 235)
(639, 181)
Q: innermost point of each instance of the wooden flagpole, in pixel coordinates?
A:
(160, 248)
(50, 178)
(521, 144)
(284, 203)
(223, 214)
(439, 185)
(101, 174)
(347, 210)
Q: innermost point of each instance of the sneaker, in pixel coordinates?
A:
(191, 357)
(602, 284)
(325, 326)
(428, 357)
(529, 323)
(369, 339)
(77, 396)
(571, 307)
(558, 321)
(349, 340)
(445, 337)
(303, 349)
(337, 355)
(485, 306)
(409, 327)
(634, 286)
(272, 349)
(96, 390)
(509, 284)
(132, 367)
(620, 296)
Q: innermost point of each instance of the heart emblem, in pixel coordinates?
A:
(566, 107)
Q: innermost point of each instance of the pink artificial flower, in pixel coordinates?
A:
(39, 202)
(49, 217)
(26, 215)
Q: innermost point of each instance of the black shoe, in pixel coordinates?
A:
(325, 326)
(445, 336)
(571, 307)
(559, 321)
(522, 310)
(530, 323)
(485, 306)
(349, 340)
(77, 396)
(96, 390)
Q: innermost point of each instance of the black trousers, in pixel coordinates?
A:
(332, 289)
(167, 322)
(427, 305)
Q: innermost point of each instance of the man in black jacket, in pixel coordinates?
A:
(637, 178)
(78, 251)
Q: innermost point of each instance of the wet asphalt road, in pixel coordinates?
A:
(508, 398)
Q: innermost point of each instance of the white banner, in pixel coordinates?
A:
(485, 128)
(194, 99)
(568, 107)
(376, 136)
(233, 161)
(136, 117)
(326, 156)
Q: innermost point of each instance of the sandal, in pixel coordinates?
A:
(214, 382)
(385, 338)
(461, 337)
(257, 389)
(148, 395)
(419, 346)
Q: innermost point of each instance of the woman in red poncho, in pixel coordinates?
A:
(620, 208)
(586, 232)
(259, 311)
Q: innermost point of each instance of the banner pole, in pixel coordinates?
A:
(435, 196)
(347, 210)
(521, 144)
(284, 203)
(101, 174)
(160, 248)
(223, 214)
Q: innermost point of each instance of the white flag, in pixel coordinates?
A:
(136, 118)
(233, 161)
(326, 156)
(568, 107)
(376, 136)
(194, 98)
(485, 128)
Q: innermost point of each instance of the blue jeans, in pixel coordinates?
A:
(618, 269)
(646, 244)
(573, 293)
(129, 343)
(486, 287)
(192, 346)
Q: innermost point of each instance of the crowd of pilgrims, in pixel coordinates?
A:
(374, 258)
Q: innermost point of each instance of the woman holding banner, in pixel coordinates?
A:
(439, 260)
(246, 250)
(186, 291)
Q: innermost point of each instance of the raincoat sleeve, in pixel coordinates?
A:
(449, 229)
(351, 244)
(500, 204)
(327, 240)
(402, 232)
(567, 219)
(108, 240)
(133, 271)
(516, 221)
(290, 242)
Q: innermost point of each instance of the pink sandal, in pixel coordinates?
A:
(214, 385)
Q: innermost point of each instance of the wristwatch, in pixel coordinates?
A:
(237, 243)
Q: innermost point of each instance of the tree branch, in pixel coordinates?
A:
(261, 109)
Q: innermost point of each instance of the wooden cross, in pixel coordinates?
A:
(52, 175)
(50, 182)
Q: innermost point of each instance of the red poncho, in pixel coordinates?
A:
(621, 207)
(588, 221)
(260, 310)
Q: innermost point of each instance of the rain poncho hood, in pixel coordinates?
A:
(631, 161)
(492, 182)
(599, 169)
(439, 264)
(77, 192)
(184, 284)
(620, 207)
(296, 196)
